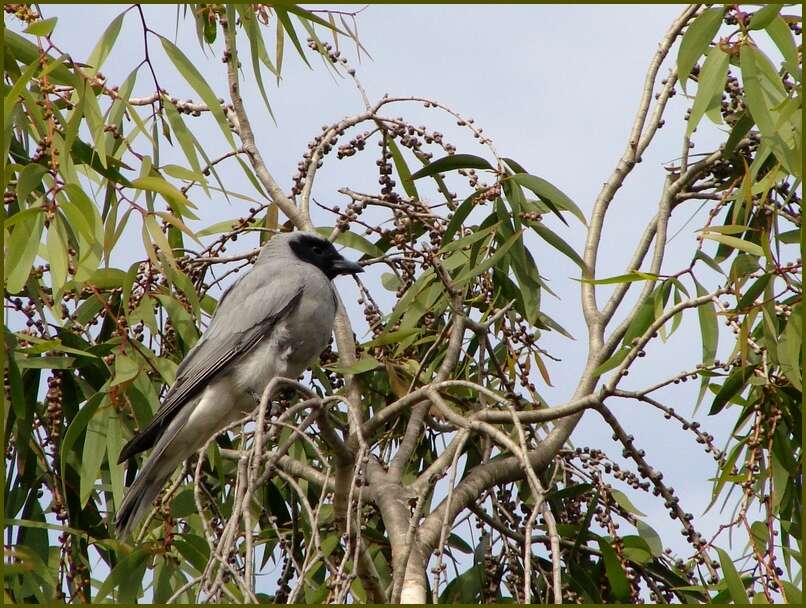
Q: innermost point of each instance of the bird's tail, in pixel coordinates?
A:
(156, 472)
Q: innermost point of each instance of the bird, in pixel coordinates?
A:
(274, 321)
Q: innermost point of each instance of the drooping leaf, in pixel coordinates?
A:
(736, 587)
(549, 194)
(695, 40)
(452, 162)
(734, 242)
(616, 576)
(199, 84)
(43, 27)
(711, 83)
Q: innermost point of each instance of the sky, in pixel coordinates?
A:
(556, 88)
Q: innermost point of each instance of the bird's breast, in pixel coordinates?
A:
(293, 343)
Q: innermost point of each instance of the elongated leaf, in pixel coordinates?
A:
(26, 53)
(173, 195)
(735, 243)
(555, 241)
(57, 253)
(615, 573)
(754, 94)
(696, 39)
(257, 50)
(402, 168)
(738, 593)
(764, 17)
(199, 84)
(459, 216)
(709, 329)
(21, 251)
(782, 37)
(30, 179)
(711, 83)
(790, 346)
(93, 453)
(43, 27)
(106, 43)
(285, 20)
(733, 386)
(625, 503)
(452, 162)
(354, 241)
(651, 537)
(126, 369)
(623, 278)
(361, 366)
(489, 262)
(126, 576)
(549, 194)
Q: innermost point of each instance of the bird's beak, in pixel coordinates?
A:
(343, 266)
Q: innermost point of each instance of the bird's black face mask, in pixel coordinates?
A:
(322, 254)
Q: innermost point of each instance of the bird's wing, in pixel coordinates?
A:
(245, 314)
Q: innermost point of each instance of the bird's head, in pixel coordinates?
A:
(313, 249)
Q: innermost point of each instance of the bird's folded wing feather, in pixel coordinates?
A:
(246, 313)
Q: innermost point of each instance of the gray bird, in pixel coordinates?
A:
(273, 321)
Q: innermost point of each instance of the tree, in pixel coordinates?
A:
(356, 479)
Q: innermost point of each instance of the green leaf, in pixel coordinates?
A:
(181, 319)
(171, 193)
(44, 27)
(734, 385)
(107, 278)
(361, 366)
(199, 84)
(616, 576)
(781, 35)
(735, 243)
(555, 241)
(126, 368)
(624, 502)
(711, 83)
(353, 241)
(93, 453)
(549, 194)
(623, 278)
(709, 329)
(282, 15)
(789, 347)
(126, 576)
(114, 443)
(390, 281)
(391, 337)
(764, 17)
(57, 253)
(736, 587)
(758, 104)
(465, 588)
(21, 251)
(106, 43)
(12, 95)
(30, 178)
(452, 162)
(257, 50)
(489, 262)
(739, 130)
(473, 237)
(26, 53)
(696, 39)
(651, 537)
(402, 168)
(459, 216)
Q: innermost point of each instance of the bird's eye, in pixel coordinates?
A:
(317, 250)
